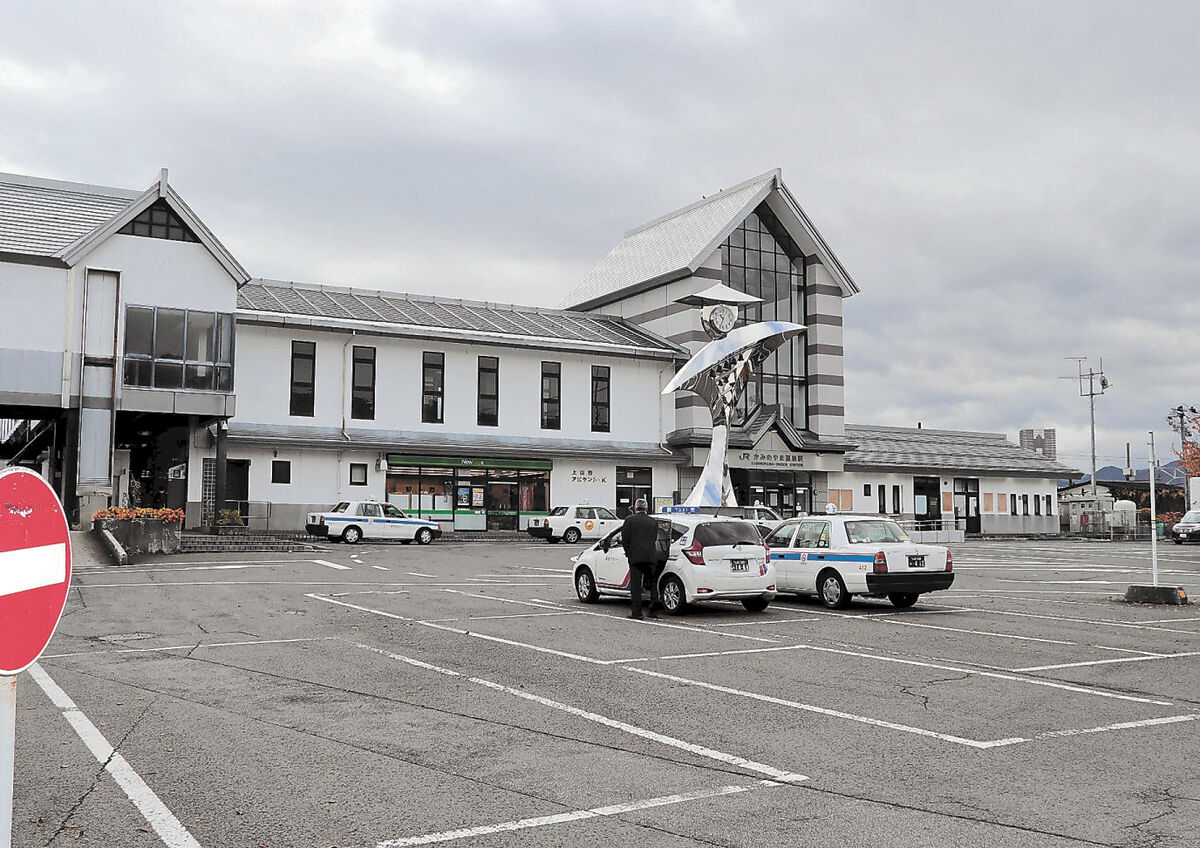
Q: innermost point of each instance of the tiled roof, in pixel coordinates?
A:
(909, 449)
(677, 242)
(454, 318)
(42, 217)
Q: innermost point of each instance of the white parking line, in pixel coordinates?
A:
(329, 564)
(945, 737)
(169, 829)
(193, 646)
(1107, 662)
(381, 568)
(1101, 622)
(1125, 725)
(419, 574)
(562, 818)
(975, 632)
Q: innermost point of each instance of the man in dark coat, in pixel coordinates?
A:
(638, 536)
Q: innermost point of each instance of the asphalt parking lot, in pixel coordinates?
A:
(387, 695)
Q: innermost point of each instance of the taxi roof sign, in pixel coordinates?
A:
(679, 510)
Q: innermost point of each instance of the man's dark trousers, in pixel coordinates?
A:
(644, 574)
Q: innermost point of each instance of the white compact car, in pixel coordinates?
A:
(572, 523)
(711, 559)
(352, 521)
(837, 556)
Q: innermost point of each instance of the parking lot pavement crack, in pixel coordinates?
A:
(1144, 835)
(907, 690)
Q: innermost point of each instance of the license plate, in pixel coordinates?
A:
(916, 562)
(738, 565)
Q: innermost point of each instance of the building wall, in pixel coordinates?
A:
(33, 327)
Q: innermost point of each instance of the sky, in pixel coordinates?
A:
(1010, 184)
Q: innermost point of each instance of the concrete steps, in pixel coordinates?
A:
(193, 543)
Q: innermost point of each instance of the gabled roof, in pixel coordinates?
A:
(906, 449)
(676, 244)
(53, 222)
(419, 316)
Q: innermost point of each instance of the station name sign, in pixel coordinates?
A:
(764, 459)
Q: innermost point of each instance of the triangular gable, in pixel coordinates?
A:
(677, 244)
(160, 190)
(158, 220)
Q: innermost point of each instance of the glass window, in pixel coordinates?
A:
(224, 338)
(304, 361)
(866, 490)
(369, 510)
(600, 399)
(1048, 503)
(601, 512)
(358, 475)
(727, 533)
(392, 512)
(489, 391)
(168, 334)
(200, 327)
(199, 377)
(1024, 504)
(882, 498)
(782, 536)
(551, 395)
(139, 331)
(138, 371)
(584, 512)
(559, 510)
(1012, 504)
(874, 532)
(159, 221)
(433, 387)
(168, 375)
(281, 471)
(341, 507)
(895, 500)
(1037, 505)
(362, 393)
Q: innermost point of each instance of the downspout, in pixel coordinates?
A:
(342, 396)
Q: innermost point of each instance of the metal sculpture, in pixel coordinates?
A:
(718, 373)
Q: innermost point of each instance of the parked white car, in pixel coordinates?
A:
(352, 521)
(837, 556)
(711, 559)
(572, 523)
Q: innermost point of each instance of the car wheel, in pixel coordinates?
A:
(832, 591)
(1179, 541)
(424, 536)
(756, 604)
(571, 536)
(351, 535)
(585, 586)
(553, 540)
(674, 597)
(903, 600)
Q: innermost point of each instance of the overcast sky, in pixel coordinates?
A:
(1008, 183)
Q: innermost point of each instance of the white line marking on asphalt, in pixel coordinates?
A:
(409, 660)
(945, 737)
(1106, 662)
(562, 818)
(764, 623)
(1128, 651)
(329, 564)
(975, 632)
(381, 568)
(169, 829)
(419, 574)
(1102, 622)
(32, 568)
(487, 638)
(193, 646)
(537, 568)
(1125, 725)
(317, 597)
(699, 750)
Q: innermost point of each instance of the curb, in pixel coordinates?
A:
(115, 551)
(1142, 594)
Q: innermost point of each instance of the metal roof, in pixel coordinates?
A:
(450, 319)
(936, 451)
(41, 217)
(676, 244)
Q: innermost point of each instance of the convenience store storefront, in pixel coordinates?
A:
(464, 494)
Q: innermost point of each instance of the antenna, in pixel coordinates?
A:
(1096, 385)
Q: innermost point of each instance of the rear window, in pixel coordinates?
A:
(559, 510)
(1192, 517)
(727, 533)
(342, 507)
(869, 532)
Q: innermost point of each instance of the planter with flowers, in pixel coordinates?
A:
(142, 529)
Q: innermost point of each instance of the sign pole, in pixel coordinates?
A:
(1153, 512)
(8, 742)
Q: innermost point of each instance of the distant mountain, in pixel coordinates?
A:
(1169, 473)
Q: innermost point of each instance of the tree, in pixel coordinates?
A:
(1186, 422)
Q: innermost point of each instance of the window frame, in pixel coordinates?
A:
(222, 344)
(487, 365)
(362, 398)
(357, 466)
(296, 405)
(433, 362)
(601, 385)
(551, 407)
(284, 465)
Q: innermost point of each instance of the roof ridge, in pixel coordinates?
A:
(67, 185)
(774, 173)
(892, 429)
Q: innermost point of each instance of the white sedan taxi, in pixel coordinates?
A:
(352, 521)
(572, 523)
(838, 556)
(711, 559)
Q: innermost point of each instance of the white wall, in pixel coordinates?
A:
(158, 272)
(32, 328)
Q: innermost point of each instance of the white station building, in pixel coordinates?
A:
(145, 365)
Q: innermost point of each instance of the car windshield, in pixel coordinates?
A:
(559, 510)
(392, 511)
(342, 507)
(867, 532)
(728, 533)
(1192, 517)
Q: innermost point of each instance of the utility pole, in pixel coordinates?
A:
(1153, 512)
(1096, 384)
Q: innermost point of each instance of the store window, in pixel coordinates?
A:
(600, 398)
(304, 363)
(489, 391)
(551, 395)
(470, 494)
(362, 397)
(178, 349)
(433, 387)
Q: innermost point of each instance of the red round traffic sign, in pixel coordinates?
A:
(35, 567)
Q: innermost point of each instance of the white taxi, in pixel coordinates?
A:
(351, 521)
(572, 523)
(711, 559)
(838, 556)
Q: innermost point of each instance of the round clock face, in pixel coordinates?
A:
(722, 317)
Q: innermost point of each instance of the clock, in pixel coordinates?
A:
(718, 319)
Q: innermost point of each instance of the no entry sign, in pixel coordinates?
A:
(35, 567)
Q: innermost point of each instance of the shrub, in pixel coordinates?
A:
(230, 518)
(124, 513)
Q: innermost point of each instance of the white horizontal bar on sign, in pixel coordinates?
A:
(32, 568)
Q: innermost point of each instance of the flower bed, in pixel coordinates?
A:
(143, 530)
